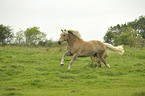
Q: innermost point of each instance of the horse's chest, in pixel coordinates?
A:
(72, 49)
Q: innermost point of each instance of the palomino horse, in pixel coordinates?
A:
(78, 47)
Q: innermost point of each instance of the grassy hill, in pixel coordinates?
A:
(37, 72)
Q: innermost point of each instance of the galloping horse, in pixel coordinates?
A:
(78, 47)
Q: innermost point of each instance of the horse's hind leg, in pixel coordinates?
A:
(104, 61)
(94, 60)
(99, 56)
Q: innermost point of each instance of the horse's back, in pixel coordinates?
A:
(100, 47)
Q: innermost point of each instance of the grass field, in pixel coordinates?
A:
(37, 72)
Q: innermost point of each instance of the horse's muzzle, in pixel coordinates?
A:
(59, 42)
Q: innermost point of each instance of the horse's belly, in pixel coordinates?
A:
(86, 54)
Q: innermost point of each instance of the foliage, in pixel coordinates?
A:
(109, 37)
(128, 37)
(6, 34)
(34, 35)
(139, 25)
(132, 33)
(19, 37)
(36, 72)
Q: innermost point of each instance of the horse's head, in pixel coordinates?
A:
(63, 36)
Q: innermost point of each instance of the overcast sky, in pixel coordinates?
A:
(91, 18)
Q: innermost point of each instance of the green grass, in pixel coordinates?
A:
(37, 72)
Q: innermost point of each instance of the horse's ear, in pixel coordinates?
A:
(64, 29)
(61, 30)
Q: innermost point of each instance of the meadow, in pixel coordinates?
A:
(26, 71)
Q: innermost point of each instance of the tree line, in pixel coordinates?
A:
(31, 36)
(131, 33)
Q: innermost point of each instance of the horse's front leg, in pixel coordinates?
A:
(74, 57)
(62, 60)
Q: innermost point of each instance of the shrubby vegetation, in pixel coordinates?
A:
(131, 33)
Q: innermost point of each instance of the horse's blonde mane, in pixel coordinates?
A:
(76, 33)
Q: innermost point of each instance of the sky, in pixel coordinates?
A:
(91, 18)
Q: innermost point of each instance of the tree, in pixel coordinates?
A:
(109, 37)
(139, 25)
(19, 37)
(34, 35)
(128, 34)
(6, 34)
(127, 37)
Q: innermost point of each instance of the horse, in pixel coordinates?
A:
(80, 48)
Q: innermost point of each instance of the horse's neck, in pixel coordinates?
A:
(72, 40)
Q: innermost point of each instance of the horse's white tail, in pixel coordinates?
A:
(114, 49)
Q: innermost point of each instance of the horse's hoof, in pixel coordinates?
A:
(61, 64)
(108, 65)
